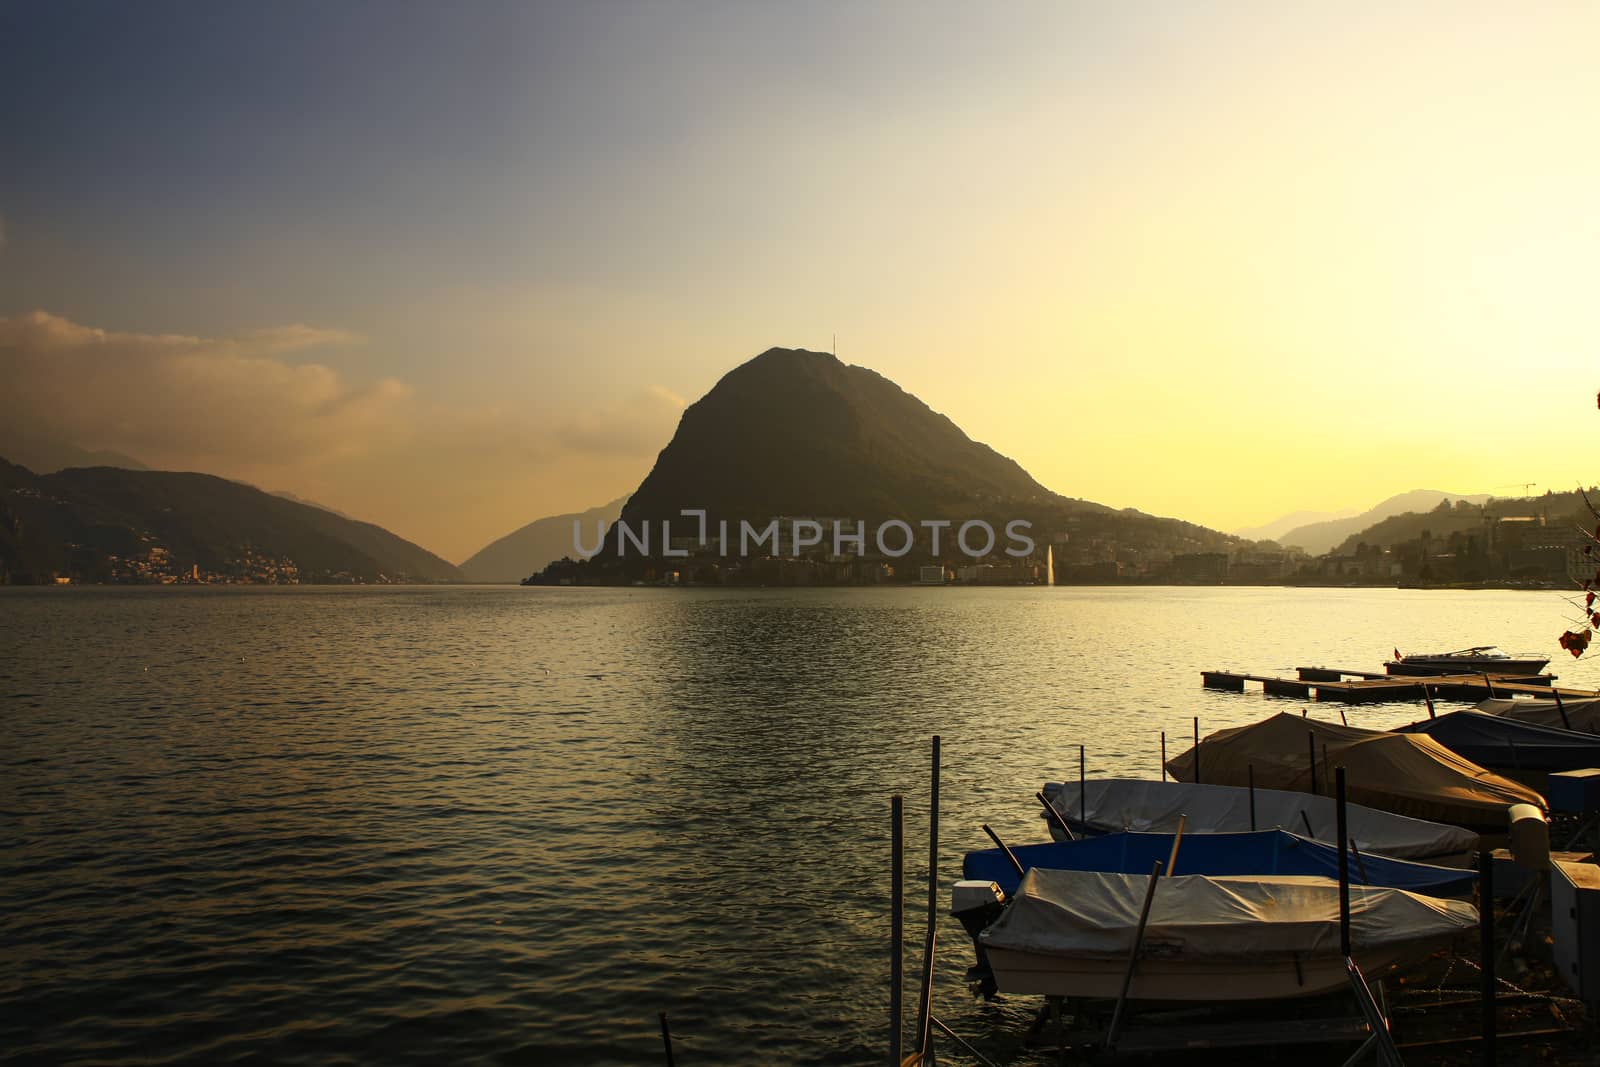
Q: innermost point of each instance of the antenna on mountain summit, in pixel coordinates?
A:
(835, 346)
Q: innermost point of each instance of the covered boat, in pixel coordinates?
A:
(1070, 933)
(1582, 714)
(1265, 852)
(1506, 744)
(1408, 774)
(1117, 804)
(1479, 659)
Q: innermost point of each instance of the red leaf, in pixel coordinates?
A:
(1575, 641)
(1588, 600)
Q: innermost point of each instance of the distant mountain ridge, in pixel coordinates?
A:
(1284, 524)
(109, 524)
(1319, 538)
(524, 551)
(48, 455)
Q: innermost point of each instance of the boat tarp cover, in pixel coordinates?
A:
(1583, 714)
(1494, 741)
(1094, 915)
(1264, 852)
(1409, 774)
(1118, 804)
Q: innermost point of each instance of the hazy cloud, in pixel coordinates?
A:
(178, 400)
(450, 477)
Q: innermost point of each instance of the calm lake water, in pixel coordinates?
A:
(501, 825)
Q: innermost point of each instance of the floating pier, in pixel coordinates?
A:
(1365, 687)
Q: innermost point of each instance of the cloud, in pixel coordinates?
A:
(175, 399)
(450, 475)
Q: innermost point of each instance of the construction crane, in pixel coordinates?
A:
(1526, 486)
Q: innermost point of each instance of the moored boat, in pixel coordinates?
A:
(1581, 714)
(1480, 659)
(1070, 933)
(1408, 774)
(1265, 852)
(1112, 805)
(1511, 745)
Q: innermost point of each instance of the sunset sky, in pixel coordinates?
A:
(453, 268)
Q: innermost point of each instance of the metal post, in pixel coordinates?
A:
(1083, 790)
(1252, 770)
(1197, 750)
(933, 837)
(1133, 958)
(1344, 863)
(1486, 951)
(1361, 865)
(1177, 839)
(897, 934)
(1311, 742)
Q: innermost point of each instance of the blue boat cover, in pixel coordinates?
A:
(1264, 852)
(1509, 744)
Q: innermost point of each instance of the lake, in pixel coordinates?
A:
(504, 825)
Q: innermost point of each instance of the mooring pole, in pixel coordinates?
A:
(1427, 698)
(1561, 708)
(933, 838)
(1311, 741)
(1083, 791)
(1163, 755)
(1197, 750)
(1486, 951)
(1252, 770)
(1133, 958)
(897, 917)
(925, 999)
(666, 1039)
(1344, 863)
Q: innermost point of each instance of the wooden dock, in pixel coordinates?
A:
(1364, 687)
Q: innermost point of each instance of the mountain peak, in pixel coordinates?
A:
(797, 432)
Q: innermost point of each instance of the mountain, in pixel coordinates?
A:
(1277, 528)
(522, 552)
(1320, 537)
(46, 455)
(308, 503)
(794, 432)
(108, 524)
(799, 434)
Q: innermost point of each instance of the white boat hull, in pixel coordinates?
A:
(1183, 980)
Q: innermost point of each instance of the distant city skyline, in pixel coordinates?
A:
(451, 271)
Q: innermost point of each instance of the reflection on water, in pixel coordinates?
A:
(508, 825)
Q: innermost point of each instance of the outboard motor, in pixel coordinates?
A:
(1530, 837)
(977, 904)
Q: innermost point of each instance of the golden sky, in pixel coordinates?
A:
(1218, 261)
